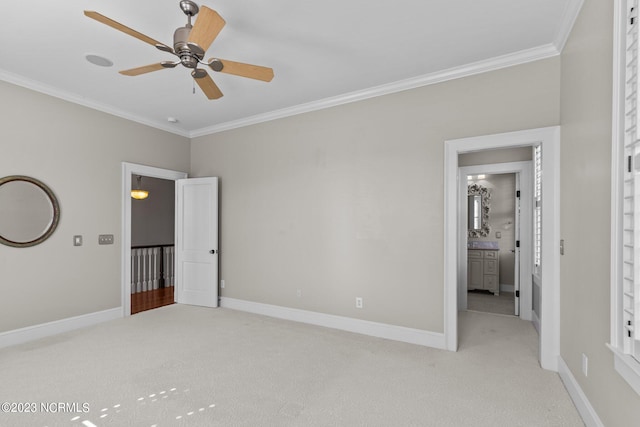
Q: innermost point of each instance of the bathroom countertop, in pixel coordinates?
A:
(483, 245)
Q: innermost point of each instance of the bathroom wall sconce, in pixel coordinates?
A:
(138, 193)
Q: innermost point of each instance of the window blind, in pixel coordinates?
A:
(537, 213)
(631, 191)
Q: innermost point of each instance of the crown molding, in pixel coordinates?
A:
(80, 100)
(569, 17)
(504, 61)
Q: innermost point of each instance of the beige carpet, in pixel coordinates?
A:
(189, 366)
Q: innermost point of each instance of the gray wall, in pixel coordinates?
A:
(348, 201)
(488, 157)
(586, 188)
(77, 152)
(153, 219)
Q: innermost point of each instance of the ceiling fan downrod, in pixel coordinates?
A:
(190, 54)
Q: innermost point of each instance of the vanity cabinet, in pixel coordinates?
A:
(483, 270)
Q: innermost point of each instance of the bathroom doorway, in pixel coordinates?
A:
(492, 242)
(497, 277)
(546, 316)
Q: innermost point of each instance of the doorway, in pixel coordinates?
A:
(129, 170)
(152, 243)
(498, 276)
(549, 317)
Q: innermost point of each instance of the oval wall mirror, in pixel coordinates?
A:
(29, 211)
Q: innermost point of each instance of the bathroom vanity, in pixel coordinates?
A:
(483, 269)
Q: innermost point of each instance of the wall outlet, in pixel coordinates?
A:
(222, 284)
(358, 302)
(77, 240)
(498, 235)
(299, 293)
(585, 365)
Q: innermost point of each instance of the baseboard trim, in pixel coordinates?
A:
(586, 411)
(30, 333)
(506, 288)
(365, 327)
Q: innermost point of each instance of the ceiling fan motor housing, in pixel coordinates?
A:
(188, 57)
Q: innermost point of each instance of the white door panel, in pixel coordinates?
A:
(197, 241)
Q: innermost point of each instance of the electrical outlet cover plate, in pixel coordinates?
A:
(105, 239)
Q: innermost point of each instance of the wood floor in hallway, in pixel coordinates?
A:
(148, 300)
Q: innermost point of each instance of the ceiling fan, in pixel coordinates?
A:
(190, 44)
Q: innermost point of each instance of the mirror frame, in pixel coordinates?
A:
(479, 190)
(54, 204)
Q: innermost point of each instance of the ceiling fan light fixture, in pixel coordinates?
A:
(98, 60)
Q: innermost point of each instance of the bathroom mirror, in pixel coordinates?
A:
(29, 211)
(478, 210)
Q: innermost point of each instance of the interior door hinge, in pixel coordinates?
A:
(518, 194)
(517, 294)
(517, 243)
(629, 164)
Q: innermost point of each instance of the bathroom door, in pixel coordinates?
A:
(516, 267)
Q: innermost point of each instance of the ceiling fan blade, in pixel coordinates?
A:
(144, 69)
(118, 26)
(208, 86)
(244, 70)
(207, 27)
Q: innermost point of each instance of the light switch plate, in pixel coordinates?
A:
(105, 239)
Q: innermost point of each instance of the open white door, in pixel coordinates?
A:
(197, 241)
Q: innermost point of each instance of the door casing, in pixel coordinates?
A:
(549, 139)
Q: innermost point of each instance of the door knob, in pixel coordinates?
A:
(212, 251)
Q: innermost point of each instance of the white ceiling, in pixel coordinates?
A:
(322, 52)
